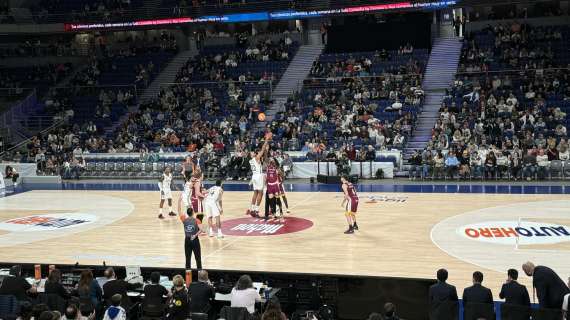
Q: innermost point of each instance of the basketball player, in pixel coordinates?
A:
(351, 199)
(282, 195)
(273, 191)
(165, 186)
(196, 195)
(257, 178)
(186, 194)
(213, 208)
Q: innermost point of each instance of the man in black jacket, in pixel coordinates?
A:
(115, 286)
(477, 293)
(550, 289)
(478, 300)
(441, 297)
(513, 292)
(16, 285)
(201, 293)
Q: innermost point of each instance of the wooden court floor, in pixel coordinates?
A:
(401, 235)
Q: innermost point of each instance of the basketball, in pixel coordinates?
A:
(261, 116)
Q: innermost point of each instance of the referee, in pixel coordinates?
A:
(192, 229)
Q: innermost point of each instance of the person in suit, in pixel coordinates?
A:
(550, 289)
(202, 293)
(476, 295)
(441, 295)
(513, 292)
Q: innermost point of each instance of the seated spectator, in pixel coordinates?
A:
(71, 313)
(390, 311)
(53, 285)
(451, 165)
(244, 294)
(154, 293)
(202, 293)
(26, 311)
(529, 165)
(178, 307)
(115, 311)
(16, 285)
(415, 168)
(542, 164)
(273, 311)
(115, 286)
(88, 289)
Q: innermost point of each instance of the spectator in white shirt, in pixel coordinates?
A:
(244, 295)
(542, 161)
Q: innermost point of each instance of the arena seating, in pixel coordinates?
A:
(512, 106)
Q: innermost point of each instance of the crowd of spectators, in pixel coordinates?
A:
(360, 65)
(108, 297)
(511, 46)
(500, 125)
(64, 10)
(40, 48)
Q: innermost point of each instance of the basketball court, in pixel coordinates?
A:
(401, 234)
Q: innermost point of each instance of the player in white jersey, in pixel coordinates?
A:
(257, 178)
(186, 193)
(165, 187)
(213, 208)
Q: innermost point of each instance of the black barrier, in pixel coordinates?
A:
(348, 297)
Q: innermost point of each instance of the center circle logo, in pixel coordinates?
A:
(500, 237)
(251, 227)
(47, 222)
(516, 232)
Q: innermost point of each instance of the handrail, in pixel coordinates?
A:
(25, 141)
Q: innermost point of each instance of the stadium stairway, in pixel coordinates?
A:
(292, 79)
(439, 74)
(167, 75)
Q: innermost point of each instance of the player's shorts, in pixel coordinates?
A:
(273, 189)
(197, 205)
(211, 209)
(257, 182)
(165, 194)
(352, 205)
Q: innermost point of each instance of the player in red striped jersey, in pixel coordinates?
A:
(351, 200)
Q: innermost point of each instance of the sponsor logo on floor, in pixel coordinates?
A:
(259, 227)
(46, 222)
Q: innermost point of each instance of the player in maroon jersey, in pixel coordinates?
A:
(282, 196)
(351, 199)
(272, 181)
(196, 194)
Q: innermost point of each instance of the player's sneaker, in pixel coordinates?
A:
(210, 232)
(248, 212)
(349, 230)
(288, 211)
(160, 216)
(172, 214)
(355, 226)
(220, 235)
